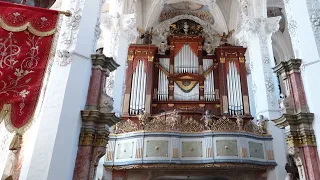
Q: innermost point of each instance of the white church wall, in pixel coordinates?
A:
(5, 140)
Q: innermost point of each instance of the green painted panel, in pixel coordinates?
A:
(124, 150)
(157, 148)
(226, 148)
(192, 149)
(256, 150)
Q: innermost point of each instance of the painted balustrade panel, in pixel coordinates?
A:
(181, 148)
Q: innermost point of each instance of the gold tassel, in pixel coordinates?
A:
(16, 142)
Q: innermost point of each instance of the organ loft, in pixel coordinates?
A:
(186, 105)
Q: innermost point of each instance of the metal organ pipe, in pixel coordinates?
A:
(209, 81)
(234, 91)
(138, 89)
(163, 80)
(186, 61)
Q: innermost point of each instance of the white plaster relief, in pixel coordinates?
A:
(114, 26)
(261, 28)
(69, 31)
(292, 28)
(314, 12)
(163, 28)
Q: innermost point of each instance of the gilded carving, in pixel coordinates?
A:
(126, 126)
(241, 59)
(174, 121)
(222, 60)
(86, 138)
(224, 124)
(191, 125)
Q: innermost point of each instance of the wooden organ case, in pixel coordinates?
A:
(186, 79)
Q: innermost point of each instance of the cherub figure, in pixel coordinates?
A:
(224, 37)
(207, 117)
(261, 123)
(143, 118)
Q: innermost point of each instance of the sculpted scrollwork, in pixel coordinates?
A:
(174, 121)
(163, 29)
(261, 28)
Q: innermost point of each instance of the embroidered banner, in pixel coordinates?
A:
(26, 37)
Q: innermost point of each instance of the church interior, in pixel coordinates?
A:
(162, 90)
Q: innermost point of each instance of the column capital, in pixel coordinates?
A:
(252, 27)
(288, 66)
(298, 129)
(103, 62)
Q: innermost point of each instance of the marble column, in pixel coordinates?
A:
(256, 33)
(304, 29)
(54, 152)
(297, 120)
(96, 119)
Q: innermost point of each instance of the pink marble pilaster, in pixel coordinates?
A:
(298, 92)
(82, 166)
(95, 87)
(97, 153)
(312, 164)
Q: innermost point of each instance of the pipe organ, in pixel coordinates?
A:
(186, 78)
(138, 91)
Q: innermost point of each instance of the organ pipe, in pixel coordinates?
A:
(138, 90)
(209, 94)
(163, 80)
(234, 91)
(186, 61)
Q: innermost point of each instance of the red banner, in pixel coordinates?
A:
(26, 37)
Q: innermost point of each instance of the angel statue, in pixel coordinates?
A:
(143, 118)
(146, 35)
(207, 118)
(224, 37)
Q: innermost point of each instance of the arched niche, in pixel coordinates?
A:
(163, 28)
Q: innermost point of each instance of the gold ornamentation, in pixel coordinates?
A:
(173, 121)
(100, 140)
(244, 153)
(188, 87)
(170, 105)
(300, 141)
(126, 126)
(150, 58)
(241, 59)
(191, 125)
(222, 60)
(86, 138)
(224, 124)
(130, 57)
